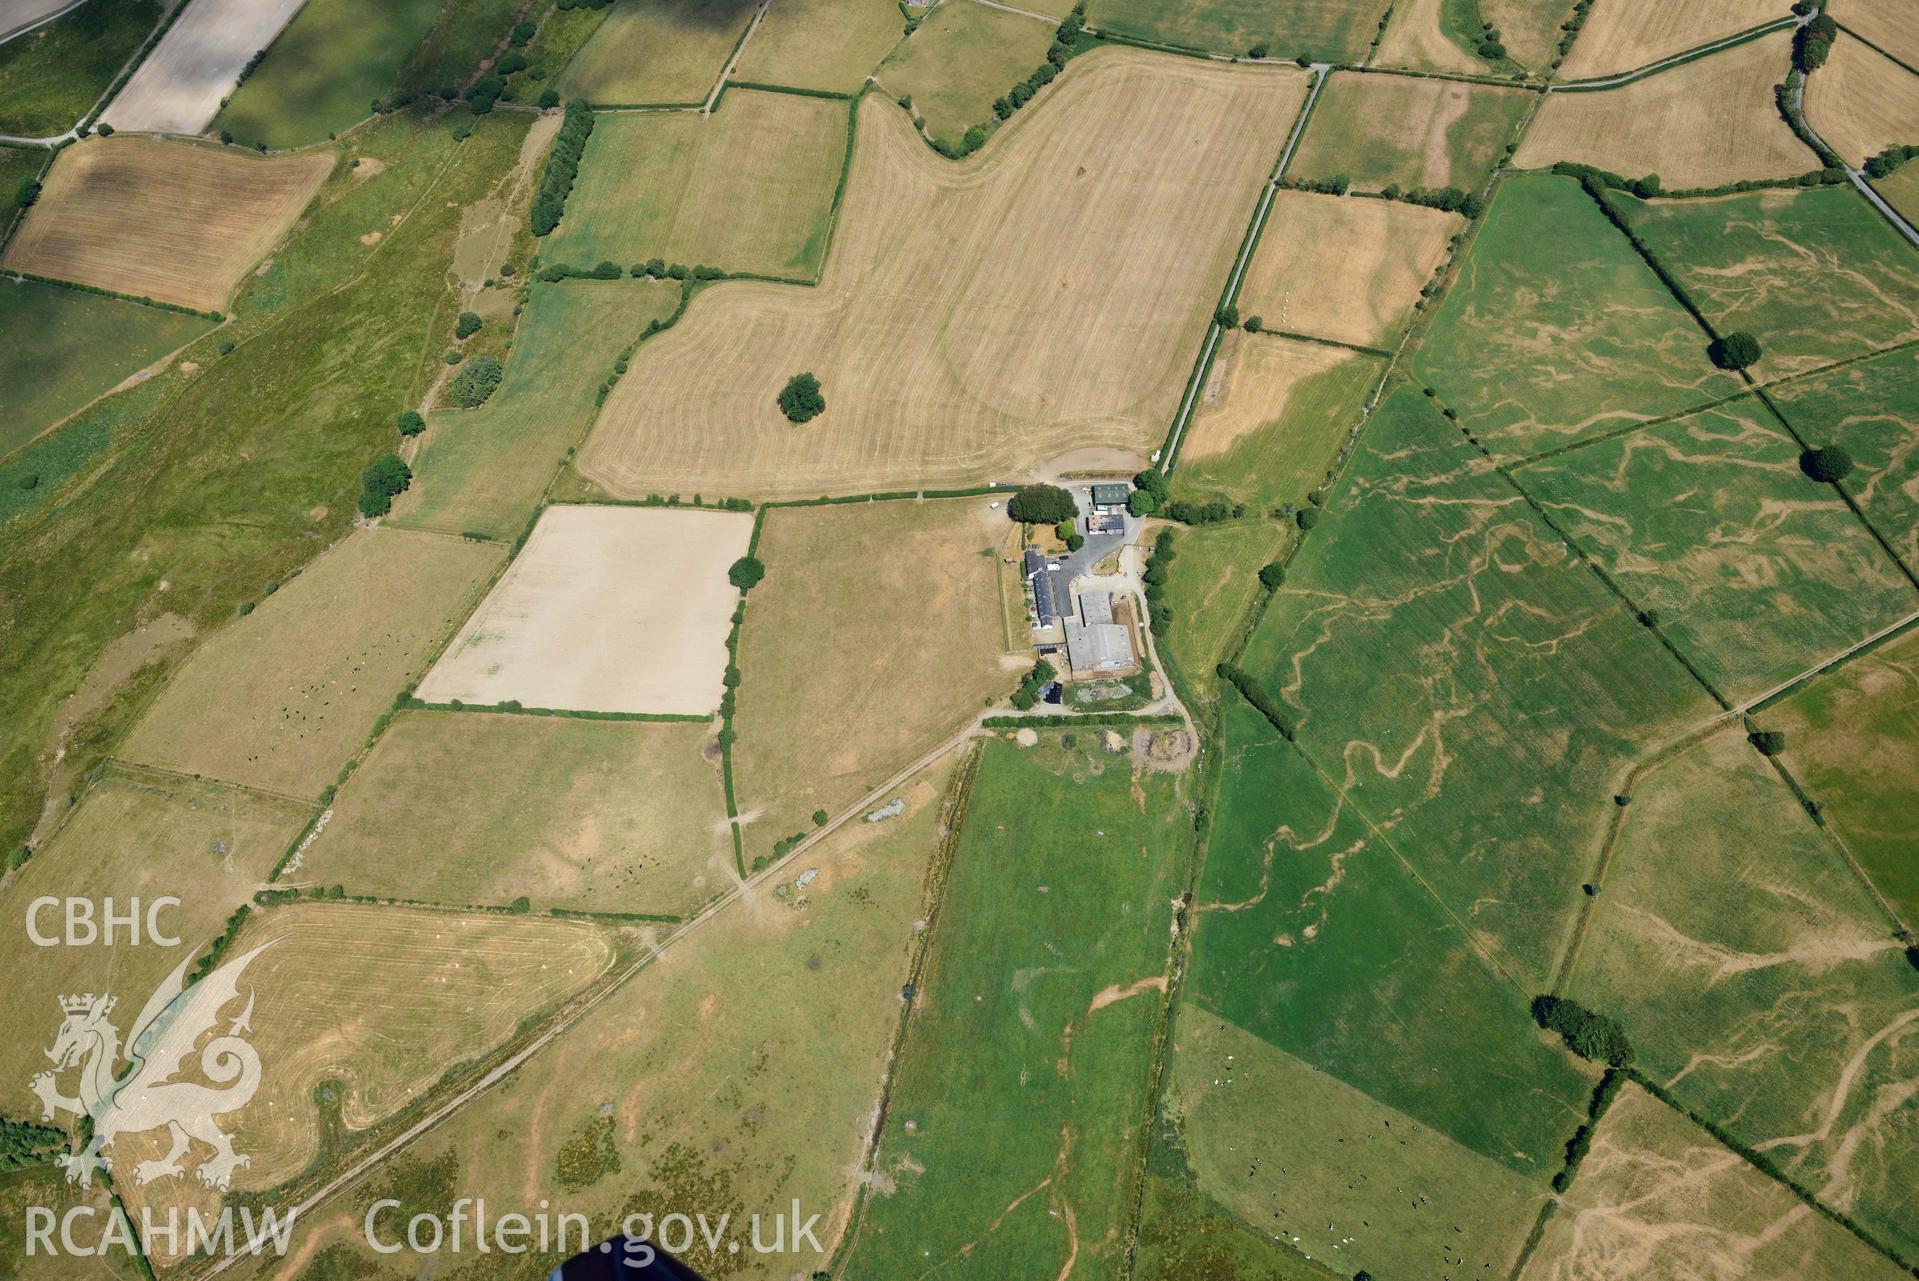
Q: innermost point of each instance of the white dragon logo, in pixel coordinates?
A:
(143, 1096)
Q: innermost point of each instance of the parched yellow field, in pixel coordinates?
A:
(876, 634)
(1887, 23)
(737, 1072)
(1414, 39)
(1350, 270)
(1271, 417)
(1701, 124)
(383, 1001)
(1624, 35)
(1659, 1199)
(283, 698)
(1047, 295)
(171, 221)
(133, 836)
(831, 45)
(479, 808)
(1862, 102)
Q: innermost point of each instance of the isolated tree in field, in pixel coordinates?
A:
(1828, 464)
(1042, 505)
(467, 325)
(410, 422)
(1253, 324)
(1735, 351)
(379, 484)
(800, 400)
(745, 572)
(1769, 742)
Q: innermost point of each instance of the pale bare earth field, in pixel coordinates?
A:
(607, 609)
(949, 352)
(1414, 39)
(170, 221)
(16, 14)
(1702, 124)
(1862, 102)
(1348, 270)
(197, 63)
(1624, 35)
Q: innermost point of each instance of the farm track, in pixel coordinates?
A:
(1677, 59)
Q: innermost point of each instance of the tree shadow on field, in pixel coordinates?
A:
(727, 15)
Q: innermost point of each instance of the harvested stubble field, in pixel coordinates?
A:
(1754, 572)
(1419, 36)
(1624, 35)
(283, 698)
(1345, 269)
(132, 835)
(961, 57)
(378, 1002)
(1271, 418)
(1867, 407)
(1467, 682)
(1313, 932)
(1330, 30)
(1409, 131)
(828, 45)
(59, 348)
(1887, 23)
(740, 1070)
(1660, 1199)
(480, 808)
(52, 76)
(1817, 275)
(1852, 739)
(1758, 981)
(334, 58)
(876, 634)
(1530, 29)
(606, 609)
(1701, 124)
(178, 88)
(483, 471)
(1862, 102)
(1557, 331)
(1345, 1179)
(1213, 585)
(658, 51)
(1022, 1086)
(748, 188)
(172, 221)
(1048, 294)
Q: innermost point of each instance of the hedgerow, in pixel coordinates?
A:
(562, 167)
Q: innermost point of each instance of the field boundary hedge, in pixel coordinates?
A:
(511, 708)
(215, 316)
(1068, 721)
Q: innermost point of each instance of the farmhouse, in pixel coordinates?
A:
(1094, 641)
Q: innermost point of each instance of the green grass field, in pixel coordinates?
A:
(1270, 423)
(51, 76)
(1353, 1182)
(223, 482)
(324, 70)
(1816, 275)
(1019, 1101)
(1852, 739)
(1319, 30)
(561, 35)
(1213, 584)
(1473, 685)
(1313, 934)
(17, 164)
(60, 348)
(828, 45)
(962, 57)
(657, 51)
(1184, 1233)
(1757, 980)
(1408, 131)
(748, 189)
(1557, 331)
(482, 809)
(1867, 407)
(1755, 572)
(484, 470)
(460, 36)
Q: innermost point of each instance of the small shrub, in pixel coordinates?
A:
(511, 64)
(522, 33)
(549, 99)
(1253, 324)
(27, 193)
(800, 400)
(1272, 576)
(472, 386)
(820, 818)
(467, 325)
